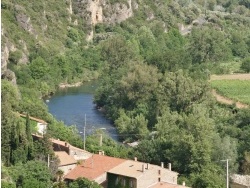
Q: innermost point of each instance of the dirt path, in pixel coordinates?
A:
(230, 77)
(226, 100)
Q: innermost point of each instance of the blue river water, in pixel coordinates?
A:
(71, 105)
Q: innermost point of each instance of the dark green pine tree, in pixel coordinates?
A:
(29, 138)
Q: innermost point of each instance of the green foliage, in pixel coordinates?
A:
(245, 167)
(142, 88)
(15, 56)
(38, 68)
(67, 133)
(83, 182)
(33, 173)
(246, 65)
(9, 101)
(109, 146)
(208, 44)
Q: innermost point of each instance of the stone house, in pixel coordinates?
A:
(41, 124)
(111, 172)
(135, 174)
(67, 162)
(58, 145)
(76, 153)
(94, 168)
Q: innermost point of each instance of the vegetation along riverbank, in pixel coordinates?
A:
(153, 59)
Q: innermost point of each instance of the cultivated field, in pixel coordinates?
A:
(231, 89)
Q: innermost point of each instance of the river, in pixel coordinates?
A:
(70, 105)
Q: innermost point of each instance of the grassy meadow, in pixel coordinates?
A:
(238, 90)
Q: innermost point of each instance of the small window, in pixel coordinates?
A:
(117, 180)
(131, 183)
(124, 182)
(159, 179)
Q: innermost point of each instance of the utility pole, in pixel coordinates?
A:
(100, 139)
(84, 132)
(227, 172)
(48, 161)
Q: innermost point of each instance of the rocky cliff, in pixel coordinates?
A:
(26, 25)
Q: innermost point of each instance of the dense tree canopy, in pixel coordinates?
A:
(153, 70)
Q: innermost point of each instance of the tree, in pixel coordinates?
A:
(32, 173)
(9, 102)
(245, 166)
(209, 45)
(38, 68)
(83, 182)
(245, 66)
(29, 138)
(179, 91)
(116, 52)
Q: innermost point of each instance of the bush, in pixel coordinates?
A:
(15, 56)
(245, 66)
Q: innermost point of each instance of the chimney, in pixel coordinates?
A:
(147, 166)
(162, 164)
(66, 144)
(135, 158)
(169, 166)
(183, 183)
(102, 152)
(143, 168)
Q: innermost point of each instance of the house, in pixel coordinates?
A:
(41, 124)
(77, 153)
(240, 181)
(94, 168)
(67, 162)
(113, 172)
(58, 145)
(135, 174)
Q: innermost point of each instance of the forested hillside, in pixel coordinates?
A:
(153, 60)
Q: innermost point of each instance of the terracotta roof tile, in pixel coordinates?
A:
(64, 158)
(94, 167)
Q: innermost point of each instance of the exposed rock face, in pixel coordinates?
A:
(9, 75)
(24, 20)
(99, 11)
(118, 12)
(4, 58)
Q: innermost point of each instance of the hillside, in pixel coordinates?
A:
(153, 60)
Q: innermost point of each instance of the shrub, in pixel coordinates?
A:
(245, 66)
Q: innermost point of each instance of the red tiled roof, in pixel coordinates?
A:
(64, 158)
(93, 167)
(167, 185)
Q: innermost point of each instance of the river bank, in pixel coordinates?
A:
(70, 104)
(66, 85)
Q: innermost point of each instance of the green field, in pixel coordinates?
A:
(238, 90)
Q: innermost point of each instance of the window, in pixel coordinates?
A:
(117, 180)
(124, 182)
(159, 179)
(131, 183)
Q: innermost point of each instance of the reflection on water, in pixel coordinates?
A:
(71, 104)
